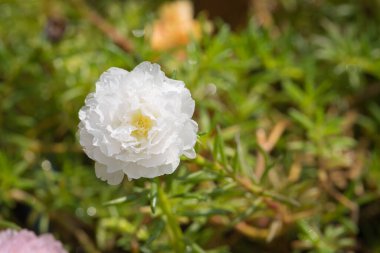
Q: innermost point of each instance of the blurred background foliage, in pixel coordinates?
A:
(287, 98)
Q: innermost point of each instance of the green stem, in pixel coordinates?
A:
(253, 188)
(175, 231)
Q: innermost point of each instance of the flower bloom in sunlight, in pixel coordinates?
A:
(137, 123)
(25, 241)
(175, 27)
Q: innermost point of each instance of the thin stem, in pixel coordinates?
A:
(175, 231)
(103, 25)
(245, 182)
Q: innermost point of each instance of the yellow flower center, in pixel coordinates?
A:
(142, 123)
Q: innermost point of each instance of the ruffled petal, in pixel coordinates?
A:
(112, 178)
(137, 123)
(189, 134)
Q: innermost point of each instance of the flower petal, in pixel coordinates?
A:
(137, 123)
(113, 178)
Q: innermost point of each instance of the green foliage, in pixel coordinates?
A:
(288, 151)
(333, 239)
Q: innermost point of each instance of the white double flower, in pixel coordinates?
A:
(137, 123)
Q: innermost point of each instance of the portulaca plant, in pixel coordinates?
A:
(137, 124)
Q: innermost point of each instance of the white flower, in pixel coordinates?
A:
(137, 123)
